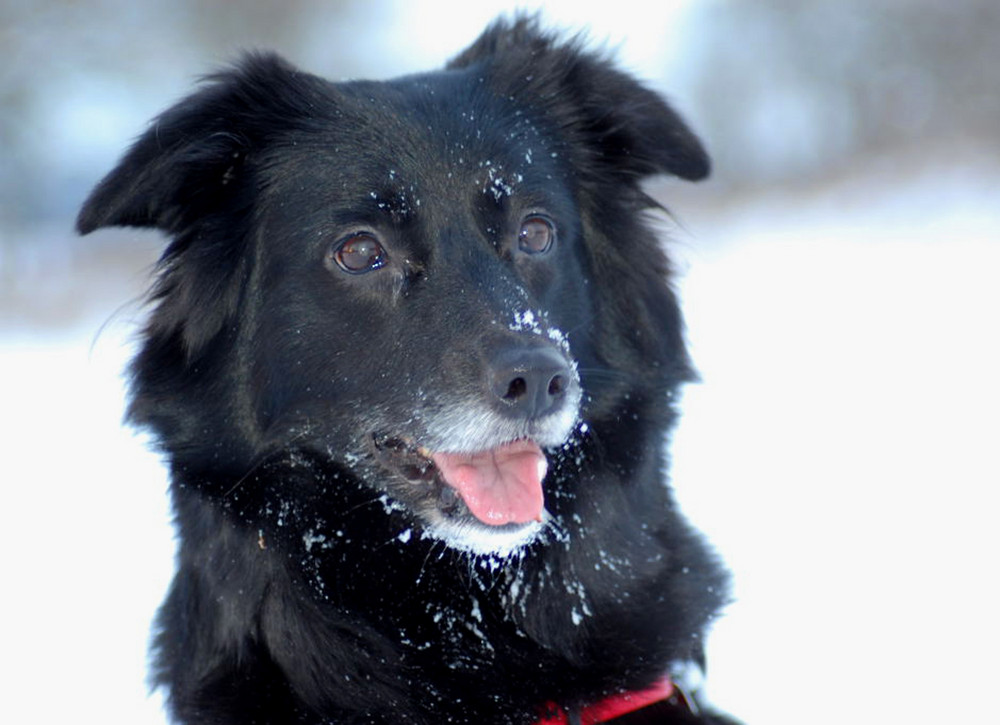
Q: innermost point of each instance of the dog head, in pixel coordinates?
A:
(432, 281)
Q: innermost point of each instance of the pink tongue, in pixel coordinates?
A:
(500, 486)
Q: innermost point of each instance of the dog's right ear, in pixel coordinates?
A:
(192, 175)
(188, 164)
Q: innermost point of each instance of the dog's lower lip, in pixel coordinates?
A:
(449, 500)
(384, 440)
(412, 462)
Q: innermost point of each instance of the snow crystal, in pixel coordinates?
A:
(496, 184)
(476, 613)
(390, 505)
(525, 320)
(310, 538)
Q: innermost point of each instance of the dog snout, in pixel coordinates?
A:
(530, 382)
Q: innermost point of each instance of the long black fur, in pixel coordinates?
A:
(307, 591)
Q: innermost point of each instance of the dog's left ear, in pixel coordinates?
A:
(629, 128)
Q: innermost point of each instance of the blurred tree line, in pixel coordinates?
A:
(793, 91)
(786, 91)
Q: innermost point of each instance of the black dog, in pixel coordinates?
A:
(412, 359)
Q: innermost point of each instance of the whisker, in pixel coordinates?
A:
(261, 460)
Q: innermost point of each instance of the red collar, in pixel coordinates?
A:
(611, 707)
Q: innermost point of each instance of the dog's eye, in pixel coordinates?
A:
(359, 253)
(536, 235)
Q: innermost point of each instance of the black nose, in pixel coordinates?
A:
(530, 382)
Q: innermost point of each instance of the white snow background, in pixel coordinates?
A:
(841, 452)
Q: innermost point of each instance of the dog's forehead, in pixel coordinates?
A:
(443, 130)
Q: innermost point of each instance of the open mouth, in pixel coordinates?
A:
(498, 486)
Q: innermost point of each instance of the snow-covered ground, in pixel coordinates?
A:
(841, 452)
(85, 540)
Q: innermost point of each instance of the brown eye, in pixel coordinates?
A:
(357, 254)
(536, 235)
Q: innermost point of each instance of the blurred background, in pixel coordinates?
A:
(839, 274)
